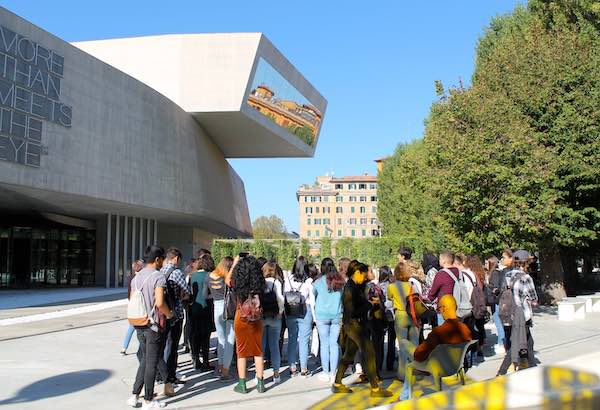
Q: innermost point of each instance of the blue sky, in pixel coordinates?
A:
(375, 62)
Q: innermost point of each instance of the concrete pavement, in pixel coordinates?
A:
(73, 362)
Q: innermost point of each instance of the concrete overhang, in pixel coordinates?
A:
(219, 79)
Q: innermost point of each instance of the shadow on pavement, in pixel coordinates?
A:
(59, 385)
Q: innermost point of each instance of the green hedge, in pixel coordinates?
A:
(373, 251)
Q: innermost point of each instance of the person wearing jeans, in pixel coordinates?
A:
(299, 328)
(127, 340)
(215, 288)
(329, 332)
(272, 317)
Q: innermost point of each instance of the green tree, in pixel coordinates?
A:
(325, 248)
(519, 149)
(269, 227)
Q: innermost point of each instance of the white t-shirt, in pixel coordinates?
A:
(278, 292)
(305, 288)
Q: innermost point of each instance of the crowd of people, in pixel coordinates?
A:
(251, 304)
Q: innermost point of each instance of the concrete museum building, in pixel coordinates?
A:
(108, 146)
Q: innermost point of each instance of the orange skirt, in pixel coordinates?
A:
(248, 337)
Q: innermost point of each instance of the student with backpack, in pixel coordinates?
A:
(299, 305)
(474, 269)
(516, 312)
(148, 311)
(178, 292)
(273, 308)
(493, 275)
(248, 283)
(355, 334)
(449, 281)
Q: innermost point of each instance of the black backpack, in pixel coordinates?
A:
(170, 295)
(295, 303)
(506, 303)
(268, 301)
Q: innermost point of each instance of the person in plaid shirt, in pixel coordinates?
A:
(178, 290)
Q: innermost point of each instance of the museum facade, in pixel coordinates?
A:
(109, 146)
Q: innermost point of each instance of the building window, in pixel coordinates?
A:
(373, 221)
(364, 232)
(374, 209)
(339, 221)
(375, 232)
(308, 221)
(373, 186)
(351, 186)
(352, 209)
(363, 210)
(363, 221)
(339, 210)
(317, 233)
(308, 233)
(353, 232)
(326, 221)
(339, 199)
(308, 210)
(362, 186)
(326, 209)
(339, 232)
(352, 221)
(352, 199)
(339, 186)
(317, 221)
(363, 199)
(373, 199)
(317, 209)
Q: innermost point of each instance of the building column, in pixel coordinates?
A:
(141, 236)
(133, 238)
(148, 222)
(155, 232)
(108, 248)
(117, 248)
(125, 248)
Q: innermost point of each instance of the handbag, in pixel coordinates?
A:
(230, 304)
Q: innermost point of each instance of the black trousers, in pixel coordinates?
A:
(148, 355)
(391, 346)
(357, 340)
(378, 338)
(200, 336)
(174, 336)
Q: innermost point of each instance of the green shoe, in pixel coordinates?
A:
(381, 392)
(340, 388)
(240, 387)
(260, 386)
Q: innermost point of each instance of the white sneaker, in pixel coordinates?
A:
(332, 378)
(499, 349)
(324, 377)
(276, 379)
(358, 368)
(154, 404)
(133, 401)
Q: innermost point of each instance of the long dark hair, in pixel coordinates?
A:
(430, 261)
(247, 278)
(298, 271)
(385, 274)
(335, 281)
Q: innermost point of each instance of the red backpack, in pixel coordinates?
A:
(250, 310)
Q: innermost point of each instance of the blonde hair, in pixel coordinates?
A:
(224, 266)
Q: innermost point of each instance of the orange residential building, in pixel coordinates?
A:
(339, 207)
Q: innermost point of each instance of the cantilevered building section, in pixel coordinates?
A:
(108, 146)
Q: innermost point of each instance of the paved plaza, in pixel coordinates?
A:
(73, 362)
